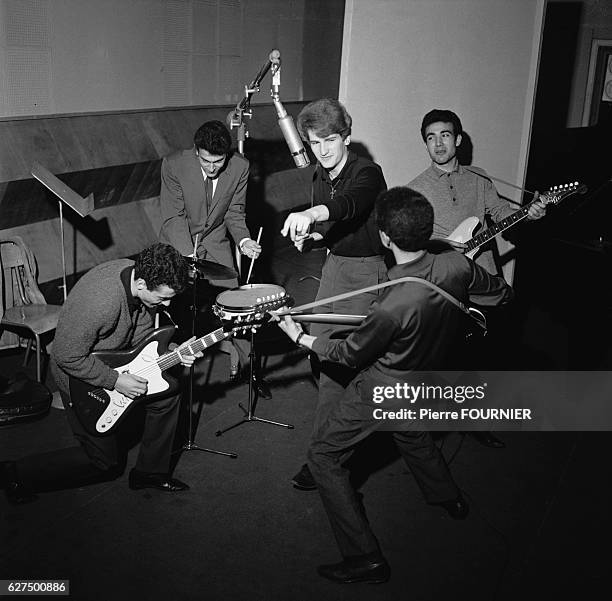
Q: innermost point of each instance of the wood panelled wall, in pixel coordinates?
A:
(117, 157)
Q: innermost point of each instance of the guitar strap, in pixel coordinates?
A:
(497, 179)
(474, 314)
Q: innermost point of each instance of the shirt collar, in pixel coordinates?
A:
(437, 172)
(404, 269)
(126, 280)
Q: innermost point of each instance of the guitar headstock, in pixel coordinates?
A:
(557, 193)
(253, 319)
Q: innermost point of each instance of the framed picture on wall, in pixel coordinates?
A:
(598, 104)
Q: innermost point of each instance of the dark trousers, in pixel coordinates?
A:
(339, 275)
(99, 458)
(348, 423)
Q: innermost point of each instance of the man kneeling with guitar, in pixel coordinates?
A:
(111, 308)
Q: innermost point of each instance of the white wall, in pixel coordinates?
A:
(402, 58)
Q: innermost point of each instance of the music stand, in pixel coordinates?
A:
(189, 445)
(81, 206)
(249, 415)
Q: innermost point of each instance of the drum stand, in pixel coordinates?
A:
(249, 412)
(189, 445)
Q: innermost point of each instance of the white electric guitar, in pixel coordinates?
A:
(464, 232)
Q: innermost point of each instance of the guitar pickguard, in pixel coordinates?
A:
(144, 365)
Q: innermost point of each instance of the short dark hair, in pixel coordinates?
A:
(324, 117)
(406, 217)
(443, 116)
(213, 137)
(161, 264)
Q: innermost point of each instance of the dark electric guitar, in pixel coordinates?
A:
(464, 232)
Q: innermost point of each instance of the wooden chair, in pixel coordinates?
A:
(24, 310)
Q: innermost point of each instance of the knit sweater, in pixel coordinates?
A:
(96, 317)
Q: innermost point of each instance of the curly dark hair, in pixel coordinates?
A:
(213, 137)
(161, 264)
(324, 117)
(441, 116)
(406, 217)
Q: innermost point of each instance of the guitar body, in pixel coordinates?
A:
(100, 410)
(464, 232)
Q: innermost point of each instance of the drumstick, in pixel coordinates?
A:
(253, 258)
(195, 246)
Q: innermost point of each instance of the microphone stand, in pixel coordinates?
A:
(236, 119)
(189, 445)
(243, 109)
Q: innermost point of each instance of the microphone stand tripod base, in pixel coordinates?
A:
(189, 446)
(249, 412)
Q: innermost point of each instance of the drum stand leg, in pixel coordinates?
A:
(249, 412)
(189, 445)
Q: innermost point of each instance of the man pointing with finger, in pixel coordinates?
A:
(344, 189)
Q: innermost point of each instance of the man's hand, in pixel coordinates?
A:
(250, 248)
(131, 385)
(308, 242)
(185, 355)
(297, 225)
(458, 246)
(537, 210)
(290, 327)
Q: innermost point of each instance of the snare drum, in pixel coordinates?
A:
(250, 301)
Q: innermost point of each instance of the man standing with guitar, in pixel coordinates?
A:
(456, 193)
(111, 308)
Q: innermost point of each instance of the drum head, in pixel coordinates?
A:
(246, 298)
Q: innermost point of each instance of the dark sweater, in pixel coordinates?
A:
(411, 327)
(96, 317)
(351, 231)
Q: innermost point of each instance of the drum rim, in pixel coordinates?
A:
(244, 308)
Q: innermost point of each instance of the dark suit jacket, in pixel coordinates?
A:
(185, 214)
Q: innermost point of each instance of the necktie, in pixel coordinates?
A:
(209, 191)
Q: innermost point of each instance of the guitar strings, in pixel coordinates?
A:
(207, 341)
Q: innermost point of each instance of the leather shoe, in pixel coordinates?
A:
(138, 480)
(16, 492)
(488, 440)
(457, 508)
(304, 479)
(357, 569)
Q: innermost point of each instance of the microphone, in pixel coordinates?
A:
(290, 133)
(273, 59)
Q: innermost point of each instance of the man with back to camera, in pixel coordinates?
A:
(410, 328)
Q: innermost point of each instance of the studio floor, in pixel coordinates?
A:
(539, 519)
(538, 509)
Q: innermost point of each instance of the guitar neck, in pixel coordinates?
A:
(497, 228)
(173, 358)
